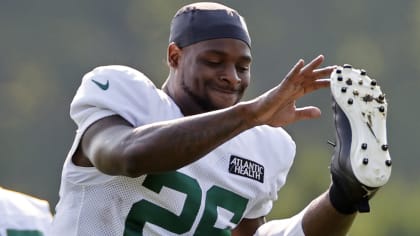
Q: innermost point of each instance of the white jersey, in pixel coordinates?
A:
(239, 179)
(23, 215)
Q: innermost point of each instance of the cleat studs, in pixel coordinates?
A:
(385, 147)
(344, 89)
(388, 162)
(348, 66)
(381, 97)
(338, 71)
(363, 72)
(364, 146)
(365, 161)
(350, 101)
(355, 92)
(340, 78)
(382, 109)
(373, 82)
(349, 82)
(360, 82)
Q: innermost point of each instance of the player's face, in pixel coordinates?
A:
(214, 74)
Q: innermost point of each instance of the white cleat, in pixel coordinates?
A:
(361, 162)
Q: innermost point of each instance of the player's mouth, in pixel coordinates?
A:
(226, 90)
(226, 96)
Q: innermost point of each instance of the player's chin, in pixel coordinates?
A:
(225, 101)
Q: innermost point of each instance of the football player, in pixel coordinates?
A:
(191, 158)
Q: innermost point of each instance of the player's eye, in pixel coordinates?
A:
(242, 68)
(212, 62)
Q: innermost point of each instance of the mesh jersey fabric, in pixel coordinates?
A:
(23, 213)
(199, 198)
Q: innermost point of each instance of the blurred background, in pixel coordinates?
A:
(46, 46)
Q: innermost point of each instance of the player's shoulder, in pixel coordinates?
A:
(269, 146)
(118, 74)
(271, 133)
(275, 139)
(116, 81)
(116, 70)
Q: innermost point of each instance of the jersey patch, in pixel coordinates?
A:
(246, 168)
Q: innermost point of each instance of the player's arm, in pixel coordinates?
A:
(248, 226)
(321, 218)
(117, 148)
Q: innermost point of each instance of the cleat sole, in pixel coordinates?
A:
(365, 106)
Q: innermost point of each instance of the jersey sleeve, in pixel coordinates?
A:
(290, 226)
(285, 152)
(278, 150)
(114, 90)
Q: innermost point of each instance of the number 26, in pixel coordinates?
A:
(145, 211)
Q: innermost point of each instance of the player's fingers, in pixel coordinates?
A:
(321, 83)
(310, 86)
(296, 69)
(309, 112)
(323, 72)
(317, 61)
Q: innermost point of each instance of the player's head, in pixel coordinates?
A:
(207, 20)
(209, 57)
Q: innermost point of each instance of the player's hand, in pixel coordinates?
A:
(277, 107)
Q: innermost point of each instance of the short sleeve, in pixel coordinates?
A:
(277, 152)
(111, 90)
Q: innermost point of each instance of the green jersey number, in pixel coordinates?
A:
(15, 232)
(145, 211)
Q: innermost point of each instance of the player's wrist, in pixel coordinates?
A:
(247, 113)
(340, 201)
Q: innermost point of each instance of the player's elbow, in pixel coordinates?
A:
(133, 166)
(119, 160)
(127, 156)
(136, 159)
(119, 165)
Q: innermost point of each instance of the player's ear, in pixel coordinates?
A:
(174, 53)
